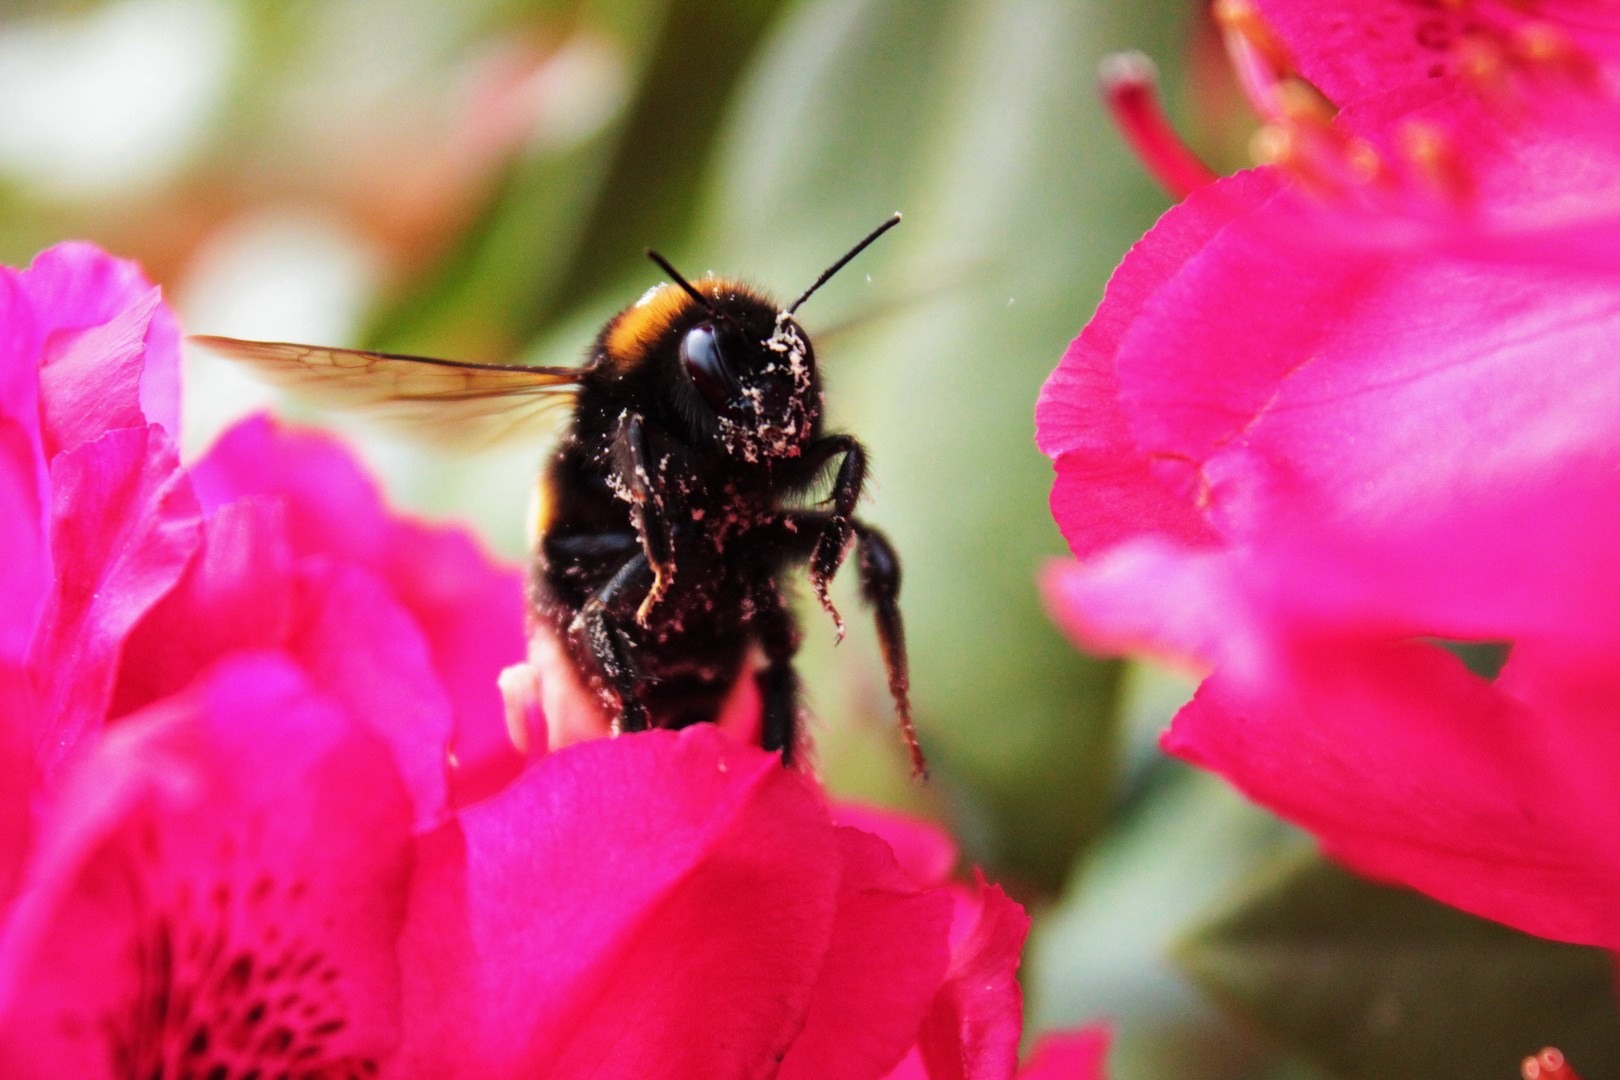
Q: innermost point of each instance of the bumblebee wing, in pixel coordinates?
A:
(455, 401)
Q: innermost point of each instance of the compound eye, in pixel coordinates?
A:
(700, 352)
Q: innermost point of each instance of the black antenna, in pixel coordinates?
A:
(703, 301)
(841, 263)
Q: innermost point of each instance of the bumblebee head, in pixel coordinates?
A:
(753, 366)
(724, 364)
(745, 368)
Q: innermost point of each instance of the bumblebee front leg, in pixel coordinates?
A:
(602, 622)
(880, 586)
(839, 524)
(633, 470)
(778, 683)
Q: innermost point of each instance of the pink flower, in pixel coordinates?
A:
(398, 619)
(98, 520)
(1483, 127)
(232, 845)
(1068, 1055)
(665, 905)
(1315, 426)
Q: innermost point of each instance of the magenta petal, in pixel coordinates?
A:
(19, 355)
(889, 949)
(89, 380)
(972, 1029)
(1107, 487)
(1351, 50)
(1068, 1055)
(471, 613)
(237, 594)
(25, 571)
(924, 851)
(333, 507)
(658, 905)
(363, 650)
(244, 590)
(16, 776)
(86, 305)
(221, 884)
(1412, 448)
(1411, 769)
(124, 524)
(469, 608)
(911, 1067)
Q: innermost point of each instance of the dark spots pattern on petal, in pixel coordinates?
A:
(239, 999)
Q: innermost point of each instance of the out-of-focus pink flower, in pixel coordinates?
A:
(674, 904)
(1068, 1055)
(99, 521)
(1062, 1055)
(219, 884)
(1483, 127)
(228, 845)
(669, 904)
(409, 624)
(1295, 456)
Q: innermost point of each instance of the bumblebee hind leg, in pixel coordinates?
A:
(778, 683)
(602, 619)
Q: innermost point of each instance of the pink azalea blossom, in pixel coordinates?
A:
(233, 845)
(1337, 408)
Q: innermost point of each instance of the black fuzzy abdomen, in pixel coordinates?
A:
(698, 635)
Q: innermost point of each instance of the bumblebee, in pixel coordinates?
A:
(676, 501)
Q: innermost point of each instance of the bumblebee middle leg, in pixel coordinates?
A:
(802, 531)
(602, 619)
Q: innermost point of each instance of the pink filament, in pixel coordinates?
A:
(1130, 85)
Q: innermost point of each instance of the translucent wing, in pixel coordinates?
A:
(453, 401)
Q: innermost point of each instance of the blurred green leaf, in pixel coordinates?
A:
(567, 224)
(1484, 658)
(1375, 982)
(1183, 841)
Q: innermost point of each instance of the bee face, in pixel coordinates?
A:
(739, 371)
(754, 368)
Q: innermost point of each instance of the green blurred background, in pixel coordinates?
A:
(479, 178)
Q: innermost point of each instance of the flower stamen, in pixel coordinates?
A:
(1258, 55)
(1433, 158)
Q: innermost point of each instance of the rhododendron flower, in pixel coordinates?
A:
(1328, 415)
(230, 845)
(676, 905)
